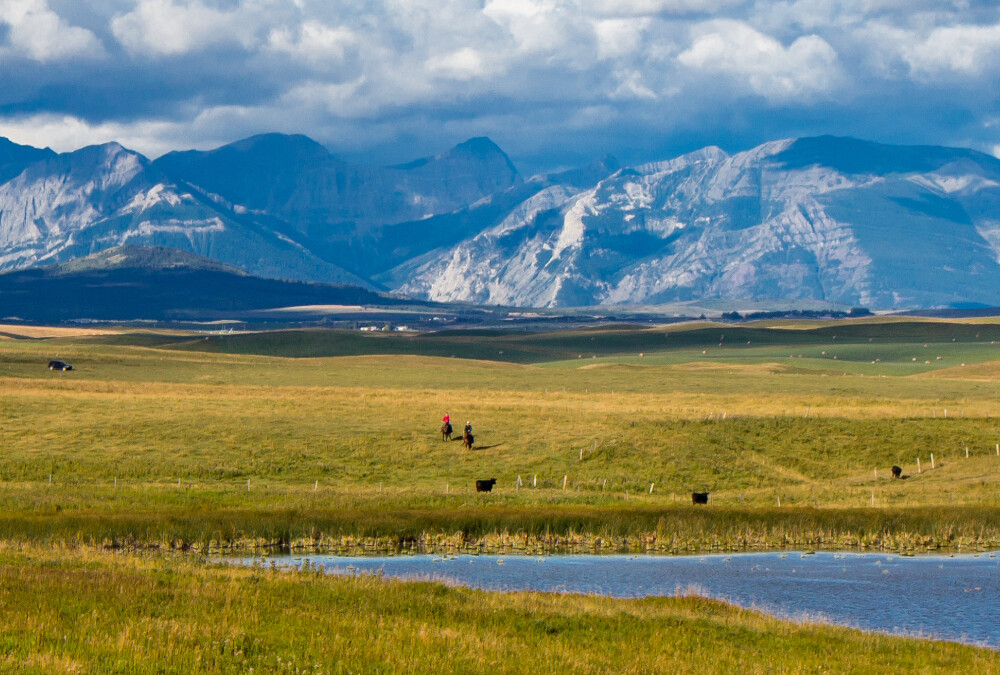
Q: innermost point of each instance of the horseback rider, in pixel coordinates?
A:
(446, 419)
(468, 427)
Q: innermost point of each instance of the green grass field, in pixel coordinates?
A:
(168, 435)
(329, 440)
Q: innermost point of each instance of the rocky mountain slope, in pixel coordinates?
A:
(832, 219)
(340, 208)
(70, 205)
(828, 219)
(276, 206)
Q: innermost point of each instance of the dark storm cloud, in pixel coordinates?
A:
(554, 82)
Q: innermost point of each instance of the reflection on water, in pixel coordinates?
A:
(948, 597)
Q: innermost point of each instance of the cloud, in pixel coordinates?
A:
(966, 49)
(658, 7)
(553, 81)
(37, 33)
(314, 42)
(618, 38)
(65, 133)
(806, 67)
(630, 84)
(463, 64)
(539, 27)
(166, 27)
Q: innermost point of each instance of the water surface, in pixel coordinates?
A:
(948, 597)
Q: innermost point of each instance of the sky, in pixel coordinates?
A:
(555, 83)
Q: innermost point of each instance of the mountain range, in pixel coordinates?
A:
(832, 219)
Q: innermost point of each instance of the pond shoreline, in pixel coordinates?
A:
(533, 546)
(805, 586)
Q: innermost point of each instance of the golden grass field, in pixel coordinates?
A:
(168, 440)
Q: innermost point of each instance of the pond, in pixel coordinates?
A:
(946, 597)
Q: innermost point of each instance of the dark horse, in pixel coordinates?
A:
(468, 439)
(446, 431)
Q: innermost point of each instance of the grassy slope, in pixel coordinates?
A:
(521, 347)
(118, 433)
(182, 616)
(347, 438)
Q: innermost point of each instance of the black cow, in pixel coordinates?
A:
(699, 497)
(485, 485)
(896, 471)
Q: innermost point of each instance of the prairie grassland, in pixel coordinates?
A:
(150, 439)
(168, 440)
(124, 613)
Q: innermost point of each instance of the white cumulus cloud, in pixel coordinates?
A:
(533, 74)
(38, 33)
(313, 41)
(654, 7)
(805, 67)
(65, 133)
(463, 64)
(618, 38)
(963, 49)
(167, 27)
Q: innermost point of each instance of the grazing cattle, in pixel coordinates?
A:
(446, 431)
(485, 485)
(896, 471)
(468, 439)
(699, 497)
